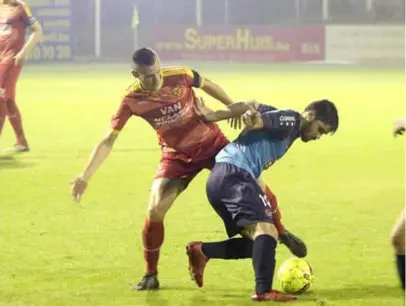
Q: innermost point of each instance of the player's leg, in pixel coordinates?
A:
(264, 235)
(163, 193)
(222, 184)
(13, 112)
(173, 176)
(4, 68)
(2, 114)
(292, 242)
(398, 242)
(255, 216)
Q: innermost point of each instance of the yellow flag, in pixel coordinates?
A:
(136, 18)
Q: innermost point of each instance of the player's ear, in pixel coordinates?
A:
(310, 115)
(134, 73)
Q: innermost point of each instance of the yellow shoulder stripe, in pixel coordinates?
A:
(25, 7)
(168, 71)
(134, 87)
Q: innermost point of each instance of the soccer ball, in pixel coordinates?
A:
(295, 276)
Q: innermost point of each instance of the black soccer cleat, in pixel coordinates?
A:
(294, 244)
(148, 282)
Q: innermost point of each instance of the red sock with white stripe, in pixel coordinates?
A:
(152, 238)
(276, 214)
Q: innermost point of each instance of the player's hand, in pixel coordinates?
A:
(399, 127)
(235, 122)
(78, 187)
(19, 58)
(252, 119)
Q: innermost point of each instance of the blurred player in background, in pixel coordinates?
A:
(398, 233)
(235, 195)
(165, 98)
(15, 17)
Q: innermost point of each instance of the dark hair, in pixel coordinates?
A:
(326, 112)
(144, 56)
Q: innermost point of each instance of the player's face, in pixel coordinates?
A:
(313, 129)
(150, 76)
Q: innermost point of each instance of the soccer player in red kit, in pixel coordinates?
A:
(164, 97)
(398, 233)
(15, 17)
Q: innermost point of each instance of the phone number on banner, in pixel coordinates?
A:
(55, 52)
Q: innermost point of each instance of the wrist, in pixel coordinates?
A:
(84, 177)
(263, 122)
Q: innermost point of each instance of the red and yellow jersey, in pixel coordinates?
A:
(171, 112)
(15, 16)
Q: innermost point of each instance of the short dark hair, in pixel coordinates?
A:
(326, 112)
(144, 56)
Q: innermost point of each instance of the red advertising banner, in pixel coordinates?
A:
(252, 43)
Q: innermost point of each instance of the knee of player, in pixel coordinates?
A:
(398, 241)
(265, 228)
(156, 213)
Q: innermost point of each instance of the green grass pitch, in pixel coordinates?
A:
(341, 194)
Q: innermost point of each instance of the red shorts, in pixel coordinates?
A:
(181, 166)
(9, 74)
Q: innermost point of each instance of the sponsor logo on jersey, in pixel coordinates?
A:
(287, 118)
(177, 91)
(174, 108)
(170, 114)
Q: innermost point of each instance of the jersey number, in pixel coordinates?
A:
(265, 200)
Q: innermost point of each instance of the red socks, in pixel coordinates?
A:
(152, 238)
(275, 211)
(2, 114)
(14, 116)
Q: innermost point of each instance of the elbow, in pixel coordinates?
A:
(37, 34)
(107, 144)
(209, 117)
(109, 141)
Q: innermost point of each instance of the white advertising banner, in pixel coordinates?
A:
(364, 43)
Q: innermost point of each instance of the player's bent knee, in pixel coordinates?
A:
(264, 228)
(398, 235)
(398, 241)
(155, 214)
(163, 194)
(158, 208)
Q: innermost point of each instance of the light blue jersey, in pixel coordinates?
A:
(256, 150)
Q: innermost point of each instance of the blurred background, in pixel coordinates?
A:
(241, 30)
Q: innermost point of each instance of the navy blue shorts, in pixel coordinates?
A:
(237, 198)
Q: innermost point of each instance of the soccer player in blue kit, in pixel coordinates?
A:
(235, 195)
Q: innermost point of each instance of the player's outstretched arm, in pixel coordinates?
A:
(215, 91)
(399, 126)
(219, 94)
(233, 110)
(98, 156)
